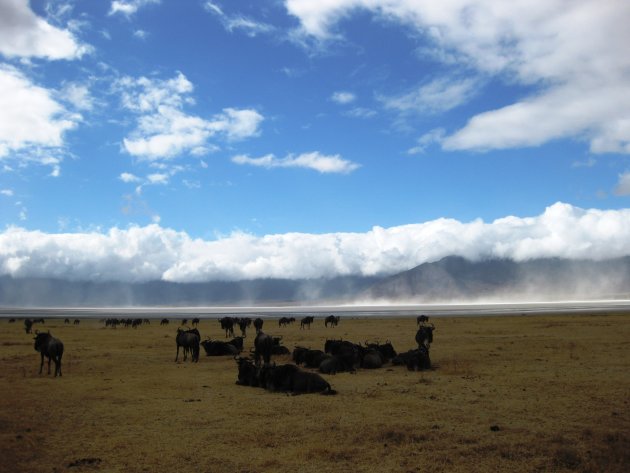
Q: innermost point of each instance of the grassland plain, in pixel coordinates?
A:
(508, 394)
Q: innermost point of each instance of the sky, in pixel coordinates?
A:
(193, 140)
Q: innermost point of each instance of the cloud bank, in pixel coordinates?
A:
(152, 252)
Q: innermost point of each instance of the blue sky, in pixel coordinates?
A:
(181, 129)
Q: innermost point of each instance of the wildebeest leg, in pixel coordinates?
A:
(41, 365)
(58, 365)
(49, 357)
(177, 355)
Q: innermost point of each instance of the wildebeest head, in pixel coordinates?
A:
(41, 339)
(247, 372)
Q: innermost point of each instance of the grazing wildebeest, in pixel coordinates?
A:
(258, 324)
(189, 341)
(424, 335)
(12, 321)
(422, 319)
(51, 348)
(263, 346)
(332, 320)
(195, 322)
(66, 321)
(164, 322)
(307, 321)
(28, 325)
(77, 321)
(227, 324)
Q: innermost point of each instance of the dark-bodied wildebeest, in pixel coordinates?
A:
(227, 324)
(247, 372)
(195, 321)
(218, 348)
(332, 320)
(28, 325)
(422, 319)
(243, 323)
(370, 358)
(386, 350)
(263, 347)
(11, 320)
(189, 341)
(310, 358)
(307, 321)
(164, 322)
(283, 322)
(51, 348)
(66, 321)
(424, 335)
(292, 379)
(278, 348)
(258, 324)
(415, 360)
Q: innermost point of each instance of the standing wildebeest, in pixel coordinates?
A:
(164, 322)
(263, 346)
(51, 348)
(258, 324)
(307, 321)
(189, 341)
(284, 321)
(66, 321)
(422, 319)
(332, 320)
(195, 322)
(243, 323)
(28, 325)
(424, 336)
(227, 324)
(77, 321)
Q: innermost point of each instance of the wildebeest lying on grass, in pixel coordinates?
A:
(283, 378)
(51, 348)
(189, 341)
(219, 348)
(415, 360)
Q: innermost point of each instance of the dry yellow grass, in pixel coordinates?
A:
(555, 388)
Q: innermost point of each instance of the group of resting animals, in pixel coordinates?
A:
(337, 356)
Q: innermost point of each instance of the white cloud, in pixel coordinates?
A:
(128, 177)
(77, 95)
(154, 253)
(572, 55)
(438, 96)
(249, 26)
(24, 34)
(6, 192)
(360, 112)
(141, 34)
(158, 178)
(314, 160)
(343, 98)
(129, 7)
(623, 185)
(32, 123)
(434, 136)
(165, 131)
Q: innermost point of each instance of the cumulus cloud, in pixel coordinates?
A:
(32, 122)
(314, 160)
(164, 130)
(24, 34)
(571, 55)
(156, 253)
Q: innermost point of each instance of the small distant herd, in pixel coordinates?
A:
(337, 355)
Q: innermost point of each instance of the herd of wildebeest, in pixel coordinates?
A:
(256, 369)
